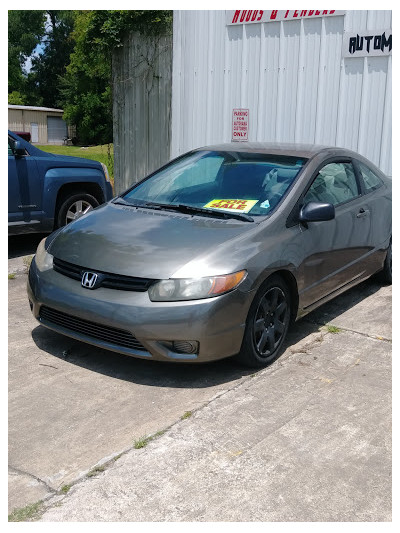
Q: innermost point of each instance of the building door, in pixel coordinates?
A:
(35, 132)
(56, 130)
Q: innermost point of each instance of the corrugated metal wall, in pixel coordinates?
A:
(21, 120)
(142, 70)
(291, 76)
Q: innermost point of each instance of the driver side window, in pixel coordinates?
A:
(10, 147)
(335, 184)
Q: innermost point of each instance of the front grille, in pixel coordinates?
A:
(106, 279)
(108, 334)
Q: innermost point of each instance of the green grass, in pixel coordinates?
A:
(11, 276)
(98, 153)
(96, 470)
(332, 329)
(65, 488)
(27, 513)
(186, 414)
(141, 442)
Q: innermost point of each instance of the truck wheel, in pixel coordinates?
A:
(74, 206)
(267, 324)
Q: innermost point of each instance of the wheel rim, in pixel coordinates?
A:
(270, 322)
(77, 209)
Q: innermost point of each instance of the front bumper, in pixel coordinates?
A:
(217, 324)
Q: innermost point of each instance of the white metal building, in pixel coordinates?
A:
(310, 76)
(45, 124)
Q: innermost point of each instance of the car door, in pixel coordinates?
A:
(24, 188)
(335, 250)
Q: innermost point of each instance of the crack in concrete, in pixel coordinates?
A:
(23, 473)
(375, 337)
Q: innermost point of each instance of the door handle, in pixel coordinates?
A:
(362, 213)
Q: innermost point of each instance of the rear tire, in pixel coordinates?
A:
(74, 206)
(267, 324)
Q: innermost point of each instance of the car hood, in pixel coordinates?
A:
(142, 242)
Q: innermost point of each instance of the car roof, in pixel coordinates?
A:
(290, 149)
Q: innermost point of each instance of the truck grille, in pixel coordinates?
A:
(100, 332)
(108, 280)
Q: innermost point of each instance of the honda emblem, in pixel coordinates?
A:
(89, 280)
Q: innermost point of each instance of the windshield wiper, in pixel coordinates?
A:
(183, 208)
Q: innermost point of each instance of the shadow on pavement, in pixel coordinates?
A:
(186, 375)
(20, 245)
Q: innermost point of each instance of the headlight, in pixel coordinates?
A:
(105, 169)
(43, 260)
(171, 290)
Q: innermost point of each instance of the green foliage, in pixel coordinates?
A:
(43, 80)
(74, 70)
(16, 98)
(25, 32)
(86, 86)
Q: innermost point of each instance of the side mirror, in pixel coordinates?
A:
(316, 212)
(18, 149)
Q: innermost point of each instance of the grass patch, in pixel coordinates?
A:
(117, 457)
(96, 470)
(186, 414)
(141, 442)
(11, 276)
(65, 488)
(27, 261)
(332, 329)
(103, 153)
(26, 514)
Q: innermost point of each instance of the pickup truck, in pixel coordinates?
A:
(47, 191)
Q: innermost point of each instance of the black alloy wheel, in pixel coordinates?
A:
(267, 324)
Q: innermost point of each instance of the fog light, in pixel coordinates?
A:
(185, 346)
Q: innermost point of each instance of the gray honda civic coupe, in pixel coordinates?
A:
(216, 253)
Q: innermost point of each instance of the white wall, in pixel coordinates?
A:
(291, 76)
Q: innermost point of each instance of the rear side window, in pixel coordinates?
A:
(371, 180)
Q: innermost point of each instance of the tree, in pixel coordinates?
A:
(43, 80)
(86, 86)
(25, 32)
(16, 98)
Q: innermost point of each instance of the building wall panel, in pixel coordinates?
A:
(291, 76)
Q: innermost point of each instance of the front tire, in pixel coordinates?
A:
(386, 273)
(267, 324)
(74, 206)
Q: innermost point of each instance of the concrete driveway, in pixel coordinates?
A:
(312, 430)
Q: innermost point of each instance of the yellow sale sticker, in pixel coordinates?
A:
(235, 206)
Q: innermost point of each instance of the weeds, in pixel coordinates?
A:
(26, 514)
(186, 414)
(65, 488)
(332, 329)
(11, 276)
(96, 470)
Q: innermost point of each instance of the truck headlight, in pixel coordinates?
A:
(171, 290)
(43, 260)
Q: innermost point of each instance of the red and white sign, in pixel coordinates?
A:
(240, 124)
(249, 16)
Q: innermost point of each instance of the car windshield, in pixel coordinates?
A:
(229, 182)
